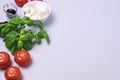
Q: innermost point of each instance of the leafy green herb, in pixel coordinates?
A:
(39, 23)
(45, 35)
(16, 37)
(27, 45)
(27, 35)
(15, 21)
(26, 20)
(42, 33)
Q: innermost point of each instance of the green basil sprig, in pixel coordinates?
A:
(16, 37)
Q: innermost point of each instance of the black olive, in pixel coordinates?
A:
(11, 11)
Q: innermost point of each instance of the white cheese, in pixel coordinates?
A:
(33, 10)
(26, 9)
(38, 11)
(39, 17)
(28, 14)
(42, 8)
(34, 17)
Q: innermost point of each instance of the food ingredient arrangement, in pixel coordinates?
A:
(19, 40)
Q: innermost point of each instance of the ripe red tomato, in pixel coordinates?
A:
(12, 73)
(22, 58)
(21, 2)
(4, 59)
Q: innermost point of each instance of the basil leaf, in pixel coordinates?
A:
(14, 49)
(27, 36)
(27, 45)
(10, 43)
(15, 21)
(12, 34)
(39, 24)
(44, 33)
(20, 45)
(38, 39)
(26, 20)
(3, 32)
(2, 26)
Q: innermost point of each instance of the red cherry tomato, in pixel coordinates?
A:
(22, 58)
(12, 73)
(21, 2)
(4, 59)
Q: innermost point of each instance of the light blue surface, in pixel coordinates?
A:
(85, 42)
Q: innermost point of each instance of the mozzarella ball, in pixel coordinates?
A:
(26, 9)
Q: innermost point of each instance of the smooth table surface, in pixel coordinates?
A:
(85, 42)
